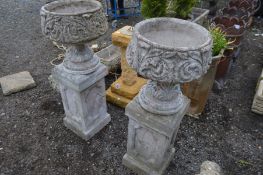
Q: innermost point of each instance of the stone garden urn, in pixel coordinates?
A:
(81, 75)
(74, 23)
(168, 52)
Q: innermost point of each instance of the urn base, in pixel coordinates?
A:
(89, 132)
(161, 98)
(142, 168)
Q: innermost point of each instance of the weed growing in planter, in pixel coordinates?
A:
(219, 40)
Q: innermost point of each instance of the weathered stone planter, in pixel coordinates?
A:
(199, 15)
(81, 75)
(164, 52)
(198, 90)
(110, 56)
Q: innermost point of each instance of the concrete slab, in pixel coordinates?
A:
(17, 82)
(210, 168)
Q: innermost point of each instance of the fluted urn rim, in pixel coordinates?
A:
(73, 21)
(195, 26)
(170, 50)
(47, 8)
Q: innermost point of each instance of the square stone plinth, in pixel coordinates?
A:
(151, 138)
(17, 82)
(84, 101)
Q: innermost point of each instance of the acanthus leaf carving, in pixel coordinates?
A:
(74, 28)
(166, 65)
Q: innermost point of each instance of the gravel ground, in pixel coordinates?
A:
(33, 139)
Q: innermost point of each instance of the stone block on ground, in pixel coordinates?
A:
(210, 168)
(17, 82)
(257, 105)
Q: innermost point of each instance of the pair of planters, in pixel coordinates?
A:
(234, 30)
(198, 90)
(233, 20)
(232, 23)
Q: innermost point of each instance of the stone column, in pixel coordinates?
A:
(125, 88)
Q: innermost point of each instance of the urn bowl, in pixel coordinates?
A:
(72, 22)
(170, 50)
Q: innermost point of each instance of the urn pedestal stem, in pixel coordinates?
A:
(80, 59)
(161, 98)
